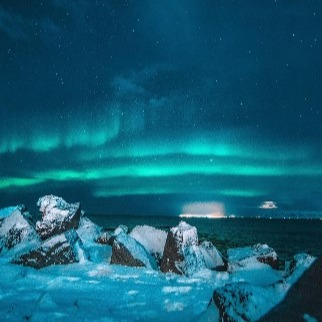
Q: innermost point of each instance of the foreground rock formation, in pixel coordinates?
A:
(52, 240)
(58, 216)
(65, 248)
(181, 251)
(260, 252)
(304, 299)
(64, 235)
(127, 251)
(242, 301)
(16, 229)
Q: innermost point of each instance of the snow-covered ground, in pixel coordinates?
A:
(102, 292)
(91, 288)
(90, 291)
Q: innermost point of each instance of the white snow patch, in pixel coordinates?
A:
(173, 306)
(186, 234)
(136, 249)
(133, 292)
(211, 255)
(151, 238)
(176, 289)
(88, 231)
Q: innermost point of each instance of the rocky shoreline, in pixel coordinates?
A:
(64, 235)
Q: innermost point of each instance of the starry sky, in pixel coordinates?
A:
(145, 107)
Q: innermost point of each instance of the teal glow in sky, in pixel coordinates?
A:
(143, 108)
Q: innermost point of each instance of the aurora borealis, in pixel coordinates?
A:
(144, 107)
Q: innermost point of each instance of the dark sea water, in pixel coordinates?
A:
(287, 237)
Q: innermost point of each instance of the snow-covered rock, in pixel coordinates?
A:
(211, 256)
(245, 256)
(182, 254)
(121, 229)
(105, 238)
(6, 212)
(58, 216)
(15, 229)
(88, 231)
(299, 261)
(245, 302)
(303, 302)
(65, 248)
(248, 297)
(151, 238)
(127, 251)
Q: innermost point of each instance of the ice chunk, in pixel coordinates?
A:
(151, 238)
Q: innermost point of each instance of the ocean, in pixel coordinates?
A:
(287, 236)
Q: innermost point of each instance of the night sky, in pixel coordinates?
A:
(147, 107)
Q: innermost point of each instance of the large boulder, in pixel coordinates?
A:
(303, 302)
(212, 257)
(65, 248)
(246, 256)
(298, 264)
(127, 251)
(88, 231)
(58, 216)
(181, 253)
(245, 300)
(16, 229)
(151, 238)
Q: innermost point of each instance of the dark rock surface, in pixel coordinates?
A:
(61, 249)
(105, 239)
(171, 255)
(127, 251)
(182, 254)
(233, 299)
(122, 256)
(259, 252)
(304, 299)
(58, 216)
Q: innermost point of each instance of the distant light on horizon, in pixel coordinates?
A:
(268, 205)
(203, 210)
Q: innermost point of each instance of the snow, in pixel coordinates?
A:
(16, 222)
(88, 231)
(55, 208)
(95, 290)
(300, 262)
(193, 260)
(6, 212)
(249, 294)
(151, 238)
(89, 291)
(248, 256)
(99, 292)
(186, 238)
(186, 233)
(121, 229)
(211, 255)
(136, 249)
